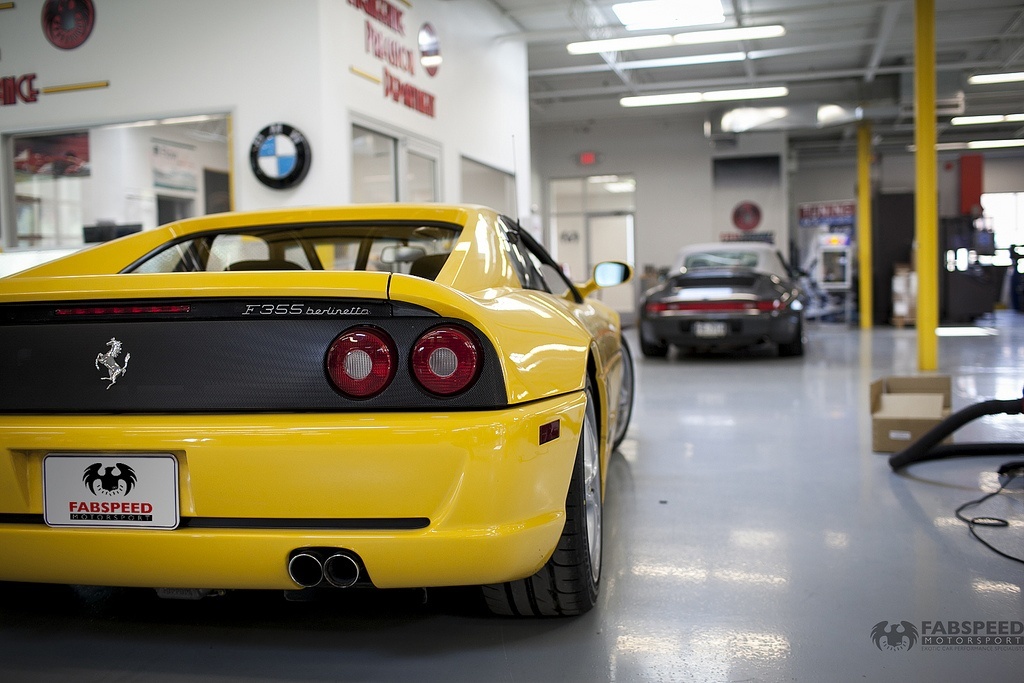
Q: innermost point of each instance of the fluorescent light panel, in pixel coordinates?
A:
(994, 144)
(744, 94)
(979, 120)
(655, 14)
(724, 35)
(973, 144)
(660, 100)
(711, 96)
(981, 79)
(589, 47)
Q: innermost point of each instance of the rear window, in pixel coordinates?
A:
(410, 248)
(691, 281)
(719, 259)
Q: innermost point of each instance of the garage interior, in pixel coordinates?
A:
(751, 532)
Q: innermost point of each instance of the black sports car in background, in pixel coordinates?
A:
(724, 296)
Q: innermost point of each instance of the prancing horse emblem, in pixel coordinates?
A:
(109, 360)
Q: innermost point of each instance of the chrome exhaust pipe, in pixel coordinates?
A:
(341, 570)
(305, 569)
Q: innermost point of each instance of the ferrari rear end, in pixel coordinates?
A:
(216, 431)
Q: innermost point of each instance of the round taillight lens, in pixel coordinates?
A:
(446, 360)
(361, 362)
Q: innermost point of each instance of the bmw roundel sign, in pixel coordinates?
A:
(280, 156)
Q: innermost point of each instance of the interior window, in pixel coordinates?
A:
(413, 249)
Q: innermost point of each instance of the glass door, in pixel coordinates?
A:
(374, 167)
(592, 220)
(392, 166)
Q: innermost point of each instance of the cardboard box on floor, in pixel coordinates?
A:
(904, 408)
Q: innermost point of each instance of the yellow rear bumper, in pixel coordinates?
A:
(492, 497)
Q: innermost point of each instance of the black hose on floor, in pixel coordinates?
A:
(928, 448)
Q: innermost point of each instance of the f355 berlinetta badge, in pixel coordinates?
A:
(109, 361)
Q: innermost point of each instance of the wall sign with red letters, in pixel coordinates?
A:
(384, 39)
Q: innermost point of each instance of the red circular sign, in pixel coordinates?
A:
(68, 23)
(746, 216)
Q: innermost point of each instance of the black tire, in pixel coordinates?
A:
(625, 411)
(652, 348)
(567, 585)
(795, 347)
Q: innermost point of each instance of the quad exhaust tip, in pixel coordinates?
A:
(339, 569)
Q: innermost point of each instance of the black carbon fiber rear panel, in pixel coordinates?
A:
(214, 358)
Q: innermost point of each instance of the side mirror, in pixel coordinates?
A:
(611, 273)
(606, 274)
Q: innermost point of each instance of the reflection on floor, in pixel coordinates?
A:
(751, 534)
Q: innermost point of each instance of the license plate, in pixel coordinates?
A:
(137, 491)
(710, 329)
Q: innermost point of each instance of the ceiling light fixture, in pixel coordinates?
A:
(589, 47)
(979, 120)
(724, 35)
(981, 79)
(634, 64)
(711, 96)
(654, 14)
(973, 144)
(744, 94)
(994, 144)
(660, 100)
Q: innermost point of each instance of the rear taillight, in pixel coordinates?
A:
(446, 360)
(362, 361)
(715, 306)
(708, 306)
(655, 307)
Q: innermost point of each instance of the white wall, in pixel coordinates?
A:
(265, 61)
(672, 164)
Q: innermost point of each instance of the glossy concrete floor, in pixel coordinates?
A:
(751, 535)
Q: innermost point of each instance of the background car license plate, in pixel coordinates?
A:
(709, 329)
(110, 490)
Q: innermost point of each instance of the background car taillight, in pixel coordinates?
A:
(446, 360)
(362, 361)
(656, 307)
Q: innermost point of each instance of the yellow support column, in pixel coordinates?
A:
(864, 226)
(926, 198)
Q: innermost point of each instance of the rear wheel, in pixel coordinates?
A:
(653, 348)
(567, 584)
(625, 396)
(795, 347)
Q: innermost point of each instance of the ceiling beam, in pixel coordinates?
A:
(889, 16)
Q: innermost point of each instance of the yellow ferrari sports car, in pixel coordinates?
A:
(378, 395)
